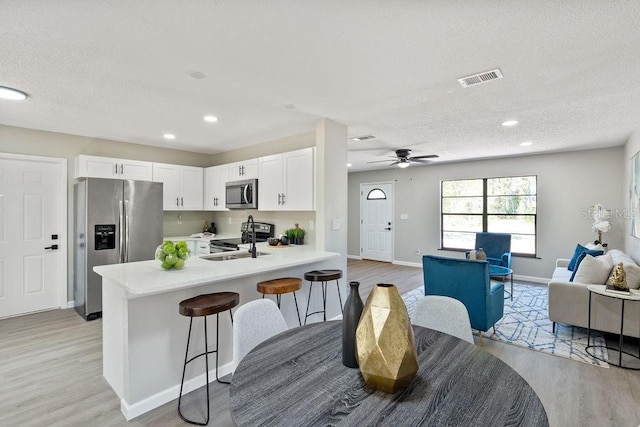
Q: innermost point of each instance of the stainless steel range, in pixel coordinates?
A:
(263, 232)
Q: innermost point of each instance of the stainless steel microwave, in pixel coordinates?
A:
(242, 194)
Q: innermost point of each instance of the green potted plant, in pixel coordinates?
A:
(295, 235)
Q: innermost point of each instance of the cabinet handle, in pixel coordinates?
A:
(279, 198)
(177, 201)
(283, 199)
(115, 170)
(181, 201)
(242, 170)
(239, 170)
(122, 169)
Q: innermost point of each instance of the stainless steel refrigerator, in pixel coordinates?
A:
(116, 221)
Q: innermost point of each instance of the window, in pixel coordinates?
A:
(376, 194)
(499, 205)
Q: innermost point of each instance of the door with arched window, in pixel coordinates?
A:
(376, 221)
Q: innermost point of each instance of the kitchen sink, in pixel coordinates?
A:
(235, 255)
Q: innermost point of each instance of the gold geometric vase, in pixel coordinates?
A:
(385, 345)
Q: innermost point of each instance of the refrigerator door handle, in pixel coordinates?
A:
(126, 231)
(121, 226)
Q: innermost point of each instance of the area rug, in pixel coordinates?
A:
(526, 324)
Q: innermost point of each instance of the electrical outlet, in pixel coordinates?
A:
(311, 224)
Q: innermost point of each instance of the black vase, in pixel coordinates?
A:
(350, 318)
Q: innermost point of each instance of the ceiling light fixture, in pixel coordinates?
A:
(169, 136)
(509, 123)
(362, 137)
(12, 94)
(526, 143)
(403, 164)
(210, 119)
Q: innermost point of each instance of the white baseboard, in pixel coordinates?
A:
(354, 257)
(131, 411)
(407, 264)
(531, 279)
(70, 304)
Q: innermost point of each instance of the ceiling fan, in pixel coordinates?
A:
(403, 159)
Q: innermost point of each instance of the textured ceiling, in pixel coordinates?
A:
(124, 70)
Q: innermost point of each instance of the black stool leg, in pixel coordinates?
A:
(184, 368)
(306, 313)
(297, 311)
(218, 346)
(324, 301)
(339, 297)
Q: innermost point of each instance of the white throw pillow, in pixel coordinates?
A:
(593, 271)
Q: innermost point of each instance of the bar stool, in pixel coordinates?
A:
(281, 286)
(203, 306)
(323, 276)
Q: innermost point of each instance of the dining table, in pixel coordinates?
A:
(297, 378)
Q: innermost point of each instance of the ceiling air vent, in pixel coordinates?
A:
(362, 138)
(484, 77)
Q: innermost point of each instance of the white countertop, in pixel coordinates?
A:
(147, 277)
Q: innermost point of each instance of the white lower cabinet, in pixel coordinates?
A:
(182, 186)
(286, 181)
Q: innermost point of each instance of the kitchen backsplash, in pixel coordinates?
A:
(185, 223)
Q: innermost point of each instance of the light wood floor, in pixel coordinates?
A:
(51, 373)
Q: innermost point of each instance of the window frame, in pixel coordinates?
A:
(485, 215)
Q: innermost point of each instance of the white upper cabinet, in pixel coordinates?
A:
(287, 181)
(182, 186)
(215, 179)
(107, 167)
(246, 169)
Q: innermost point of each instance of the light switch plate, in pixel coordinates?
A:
(404, 216)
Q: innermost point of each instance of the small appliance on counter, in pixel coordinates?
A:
(263, 232)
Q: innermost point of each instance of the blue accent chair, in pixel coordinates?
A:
(497, 246)
(467, 281)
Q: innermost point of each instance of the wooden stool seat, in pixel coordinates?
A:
(280, 286)
(208, 304)
(322, 275)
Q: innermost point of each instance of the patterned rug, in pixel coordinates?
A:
(526, 324)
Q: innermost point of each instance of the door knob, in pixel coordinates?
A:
(388, 228)
(53, 247)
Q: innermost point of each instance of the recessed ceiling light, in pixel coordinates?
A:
(169, 136)
(509, 123)
(12, 94)
(349, 165)
(526, 143)
(210, 119)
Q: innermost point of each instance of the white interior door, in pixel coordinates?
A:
(377, 221)
(32, 211)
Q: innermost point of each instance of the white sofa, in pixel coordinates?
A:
(569, 302)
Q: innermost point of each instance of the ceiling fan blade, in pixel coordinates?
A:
(428, 156)
(379, 161)
(420, 161)
(394, 163)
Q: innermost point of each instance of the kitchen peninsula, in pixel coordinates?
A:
(144, 336)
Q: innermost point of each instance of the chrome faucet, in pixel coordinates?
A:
(252, 248)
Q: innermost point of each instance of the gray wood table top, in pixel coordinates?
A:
(297, 379)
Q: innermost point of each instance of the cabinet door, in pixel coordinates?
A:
(246, 169)
(215, 179)
(135, 169)
(299, 180)
(169, 176)
(96, 167)
(270, 183)
(191, 184)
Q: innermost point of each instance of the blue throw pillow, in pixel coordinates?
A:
(573, 264)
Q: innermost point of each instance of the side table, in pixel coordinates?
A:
(496, 270)
(601, 291)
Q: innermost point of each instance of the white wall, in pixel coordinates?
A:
(568, 183)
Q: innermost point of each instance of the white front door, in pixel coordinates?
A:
(32, 214)
(377, 221)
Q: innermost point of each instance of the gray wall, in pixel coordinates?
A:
(568, 183)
